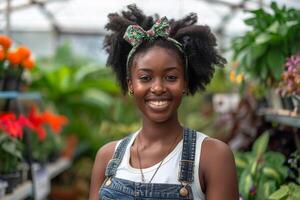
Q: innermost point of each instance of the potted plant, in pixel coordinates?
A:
(260, 172)
(12, 63)
(10, 158)
(11, 131)
(289, 85)
(45, 142)
(261, 51)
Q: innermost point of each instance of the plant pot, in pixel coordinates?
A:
(54, 156)
(3, 186)
(11, 82)
(274, 99)
(287, 103)
(296, 103)
(24, 169)
(13, 179)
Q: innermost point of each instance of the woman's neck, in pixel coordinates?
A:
(165, 131)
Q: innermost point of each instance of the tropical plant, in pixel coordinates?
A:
(88, 95)
(290, 191)
(260, 172)
(261, 52)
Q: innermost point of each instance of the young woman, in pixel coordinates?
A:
(159, 62)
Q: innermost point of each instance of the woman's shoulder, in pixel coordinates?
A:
(216, 155)
(106, 152)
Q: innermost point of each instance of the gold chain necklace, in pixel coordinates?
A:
(139, 159)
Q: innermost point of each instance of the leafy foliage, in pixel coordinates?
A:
(10, 153)
(260, 172)
(286, 192)
(273, 37)
(87, 94)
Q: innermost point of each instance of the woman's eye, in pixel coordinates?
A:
(171, 78)
(145, 78)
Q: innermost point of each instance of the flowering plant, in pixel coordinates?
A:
(290, 78)
(11, 128)
(13, 62)
(10, 147)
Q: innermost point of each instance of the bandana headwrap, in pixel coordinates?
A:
(136, 35)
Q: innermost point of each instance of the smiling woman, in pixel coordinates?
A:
(159, 62)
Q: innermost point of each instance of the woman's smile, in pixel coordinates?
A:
(158, 105)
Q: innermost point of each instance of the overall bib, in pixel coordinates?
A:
(121, 189)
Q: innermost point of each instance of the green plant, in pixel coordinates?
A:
(10, 153)
(274, 36)
(286, 192)
(260, 172)
(88, 95)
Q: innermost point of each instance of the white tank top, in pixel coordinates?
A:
(168, 172)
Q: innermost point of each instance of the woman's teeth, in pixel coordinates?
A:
(158, 104)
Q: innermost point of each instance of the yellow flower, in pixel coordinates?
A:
(239, 78)
(232, 76)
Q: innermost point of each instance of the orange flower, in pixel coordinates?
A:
(28, 63)
(55, 121)
(14, 58)
(5, 41)
(2, 54)
(23, 52)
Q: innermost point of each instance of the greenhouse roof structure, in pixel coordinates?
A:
(88, 17)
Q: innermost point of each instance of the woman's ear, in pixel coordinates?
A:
(129, 84)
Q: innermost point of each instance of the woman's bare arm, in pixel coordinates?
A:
(103, 156)
(219, 171)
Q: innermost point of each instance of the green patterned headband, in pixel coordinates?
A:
(136, 35)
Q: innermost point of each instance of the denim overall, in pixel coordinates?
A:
(116, 188)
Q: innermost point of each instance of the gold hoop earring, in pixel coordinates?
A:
(131, 92)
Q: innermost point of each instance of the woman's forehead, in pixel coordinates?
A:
(157, 58)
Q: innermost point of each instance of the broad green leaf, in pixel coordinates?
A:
(272, 173)
(274, 27)
(263, 38)
(245, 183)
(257, 51)
(275, 59)
(260, 145)
(97, 97)
(280, 194)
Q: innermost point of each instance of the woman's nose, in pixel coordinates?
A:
(158, 87)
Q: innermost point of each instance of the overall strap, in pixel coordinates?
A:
(186, 173)
(114, 163)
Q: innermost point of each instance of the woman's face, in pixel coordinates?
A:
(157, 80)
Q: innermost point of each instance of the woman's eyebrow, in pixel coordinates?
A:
(150, 69)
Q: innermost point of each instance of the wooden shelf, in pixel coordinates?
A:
(25, 190)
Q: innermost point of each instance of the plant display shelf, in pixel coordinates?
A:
(283, 117)
(18, 95)
(25, 190)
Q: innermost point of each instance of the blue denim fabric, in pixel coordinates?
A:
(116, 188)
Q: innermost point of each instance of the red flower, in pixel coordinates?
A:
(10, 125)
(37, 121)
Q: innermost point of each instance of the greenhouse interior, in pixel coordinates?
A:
(60, 103)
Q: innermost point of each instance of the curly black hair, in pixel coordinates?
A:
(198, 44)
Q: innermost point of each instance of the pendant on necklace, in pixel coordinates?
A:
(108, 182)
(183, 191)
